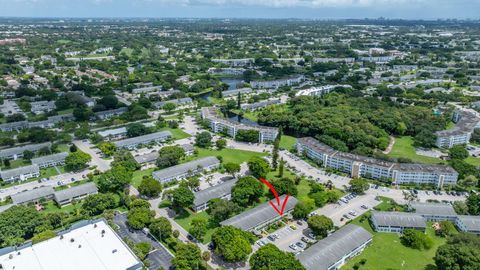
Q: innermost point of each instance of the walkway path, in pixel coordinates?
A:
(390, 145)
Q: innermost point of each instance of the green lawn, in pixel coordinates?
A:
(15, 164)
(287, 142)
(127, 51)
(138, 176)
(228, 155)
(177, 133)
(388, 204)
(475, 161)
(403, 147)
(51, 207)
(185, 219)
(387, 252)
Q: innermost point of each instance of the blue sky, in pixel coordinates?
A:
(321, 9)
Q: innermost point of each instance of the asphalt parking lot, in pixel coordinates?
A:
(352, 209)
(159, 257)
(287, 236)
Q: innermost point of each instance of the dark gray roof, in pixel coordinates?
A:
(146, 158)
(113, 132)
(80, 190)
(55, 157)
(330, 250)
(466, 124)
(113, 111)
(32, 195)
(19, 171)
(144, 139)
(236, 91)
(14, 125)
(471, 223)
(217, 191)
(180, 101)
(20, 149)
(259, 215)
(435, 209)
(187, 147)
(398, 219)
(185, 167)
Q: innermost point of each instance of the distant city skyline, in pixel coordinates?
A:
(308, 9)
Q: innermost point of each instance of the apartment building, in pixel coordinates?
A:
(465, 123)
(235, 62)
(361, 166)
(222, 125)
(320, 91)
(278, 83)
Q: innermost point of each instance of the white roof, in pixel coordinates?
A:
(89, 250)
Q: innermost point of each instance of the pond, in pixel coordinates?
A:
(232, 85)
(238, 118)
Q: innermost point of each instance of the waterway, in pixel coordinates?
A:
(232, 85)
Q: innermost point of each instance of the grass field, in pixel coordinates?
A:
(177, 133)
(403, 147)
(228, 155)
(15, 164)
(287, 142)
(127, 51)
(387, 252)
(475, 161)
(138, 176)
(185, 220)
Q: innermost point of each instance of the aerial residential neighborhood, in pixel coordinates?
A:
(240, 135)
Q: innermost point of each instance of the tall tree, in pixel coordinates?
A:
(270, 257)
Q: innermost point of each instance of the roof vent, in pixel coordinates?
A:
(114, 251)
(72, 240)
(79, 246)
(95, 225)
(61, 237)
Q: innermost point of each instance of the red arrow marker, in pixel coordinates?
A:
(279, 208)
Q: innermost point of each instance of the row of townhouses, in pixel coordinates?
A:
(421, 213)
(49, 123)
(31, 171)
(361, 166)
(132, 143)
(222, 125)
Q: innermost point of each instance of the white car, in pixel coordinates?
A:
(293, 246)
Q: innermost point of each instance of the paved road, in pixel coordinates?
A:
(160, 256)
(102, 164)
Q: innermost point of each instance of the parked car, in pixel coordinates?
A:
(293, 246)
(301, 245)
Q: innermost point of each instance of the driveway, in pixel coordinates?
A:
(159, 257)
(85, 146)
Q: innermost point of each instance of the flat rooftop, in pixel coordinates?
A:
(88, 250)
